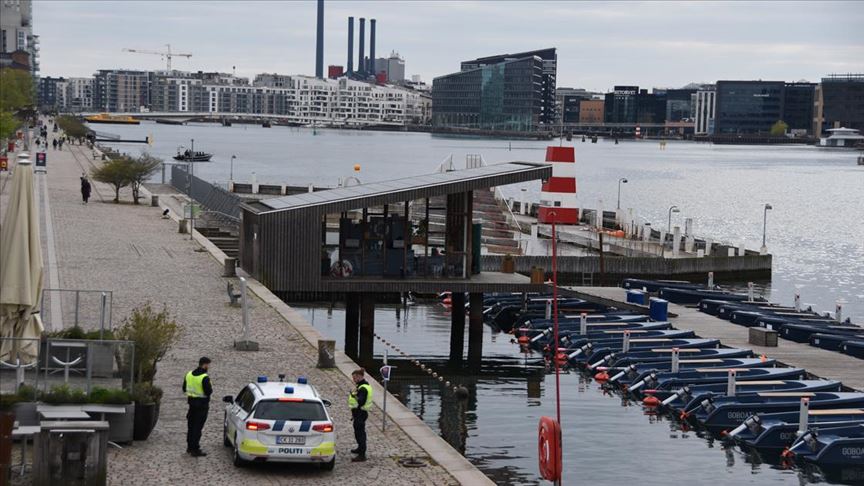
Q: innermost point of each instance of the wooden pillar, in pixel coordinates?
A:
(352, 324)
(457, 329)
(367, 328)
(475, 329)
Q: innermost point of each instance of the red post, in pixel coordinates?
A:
(555, 326)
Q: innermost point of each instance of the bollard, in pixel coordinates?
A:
(797, 302)
(326, 353)
(548, 309)
(154, 200)
(803, 413)
(230, 269)
(183, 226)
(730, 384)
(625, 343)
(583, 323)
(710, 280)
(750, 292)
(838, 311)
(689, 243)
(674, 360)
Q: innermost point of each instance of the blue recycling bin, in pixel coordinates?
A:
(636, 297)
(658, 309)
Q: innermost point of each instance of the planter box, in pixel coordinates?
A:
(508, 265)
(25, 413)
(122, 426)
(763, 337)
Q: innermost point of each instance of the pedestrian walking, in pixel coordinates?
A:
(85, 188)
(198, 389)
(54, 142)
(360, 401)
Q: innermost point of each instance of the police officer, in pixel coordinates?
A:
(197, 387)
(360, 401)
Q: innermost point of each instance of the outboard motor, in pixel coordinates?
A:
(649, 380)
(629, 371)
(606, 359)
(540, 336)
(583, 349)
(753, 424)
(683, 393)
(708, 405)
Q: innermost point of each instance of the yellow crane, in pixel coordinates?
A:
(167, 54)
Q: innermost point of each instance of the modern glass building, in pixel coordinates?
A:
(508, 92)
(748, 107)
(843, 101)
(621, 104)
(798, 101)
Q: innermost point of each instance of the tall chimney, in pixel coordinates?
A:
(319, 43)
(371, 69)
(350, 45)
(361, 65)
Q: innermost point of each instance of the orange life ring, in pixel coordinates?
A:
(549, 450)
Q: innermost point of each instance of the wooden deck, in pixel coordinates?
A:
(817, 361)
(483, 282)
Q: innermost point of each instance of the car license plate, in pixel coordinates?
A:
(291, 439)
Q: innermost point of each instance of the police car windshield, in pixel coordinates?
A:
(276, 410)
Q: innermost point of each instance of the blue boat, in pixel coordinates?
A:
(831, 342)
(618, 359)
(831, 446)
(656, 285)
(725, 413)
(540, 337)
(615, 338)
(635, 372)
(540, 321)
(590, 352)
(775, 431)
(680, 399)
(800, 333)
(692, 296)
(853, 348)
(674, 381)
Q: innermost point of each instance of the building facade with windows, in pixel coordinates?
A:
(798, 104)
(842, 99)
(748, 107)
(120, 90)
(17, 40)
(704, 110)
(591, 111)
(51, 93)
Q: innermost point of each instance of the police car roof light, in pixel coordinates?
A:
(302, 380)
(289, 390)
(262, 379)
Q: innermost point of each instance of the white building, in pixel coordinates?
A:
(706, 102)
(16, 32)
(78, 94)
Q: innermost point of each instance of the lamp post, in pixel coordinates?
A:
(231, 176)
(620, 181)
(673, 209)
(191, 200)
(764, 248)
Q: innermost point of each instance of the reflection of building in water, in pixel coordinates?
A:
(436, 405)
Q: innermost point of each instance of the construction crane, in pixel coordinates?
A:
(167, 54)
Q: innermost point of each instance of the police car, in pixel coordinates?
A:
(270, 421)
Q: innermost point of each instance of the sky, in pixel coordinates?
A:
(600, 44)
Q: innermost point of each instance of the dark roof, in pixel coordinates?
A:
(548, 53)
(407, 189)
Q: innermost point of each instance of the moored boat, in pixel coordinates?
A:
(190, 156)
(831, 446)
(108, 118)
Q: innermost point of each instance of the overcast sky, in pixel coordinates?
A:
(599, 44)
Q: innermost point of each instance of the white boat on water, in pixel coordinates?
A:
(842, 137)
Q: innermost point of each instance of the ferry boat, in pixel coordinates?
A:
(842, 137)
(117, 120)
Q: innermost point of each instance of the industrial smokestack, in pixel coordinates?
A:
(371, 69)
(319, 43)
(350, 45)
(361, 64)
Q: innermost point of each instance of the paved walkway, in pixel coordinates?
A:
(139, 255)
(818, 361)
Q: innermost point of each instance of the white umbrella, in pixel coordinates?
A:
(20, 269)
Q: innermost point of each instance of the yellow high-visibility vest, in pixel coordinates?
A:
(195, 385)
(352, 398)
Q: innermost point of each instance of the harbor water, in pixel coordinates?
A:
(815, 231)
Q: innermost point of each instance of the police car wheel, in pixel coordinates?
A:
(238, 461)
(328, 466)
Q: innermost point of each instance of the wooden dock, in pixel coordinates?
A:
(817, 361)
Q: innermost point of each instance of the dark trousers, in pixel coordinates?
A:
(360, 417)
(195, 419)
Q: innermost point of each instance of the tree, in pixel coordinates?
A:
(139, 170)
(779, 128)
(72, 126)
(114, 172)
(16, 96)
(153, 334)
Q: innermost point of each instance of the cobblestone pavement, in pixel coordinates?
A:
(139, 255)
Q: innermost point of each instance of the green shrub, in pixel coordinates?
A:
(146, 393)
(76, 332)
(110, 396)
(62, 394)
(153, 334)
(27, 393)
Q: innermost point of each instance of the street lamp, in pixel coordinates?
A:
(764, 248)
(673, 209)
(231, 177)
(620, 181)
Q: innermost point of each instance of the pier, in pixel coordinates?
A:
(817, 361)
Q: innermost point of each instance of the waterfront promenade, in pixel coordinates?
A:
(817, 361)
(141, 257)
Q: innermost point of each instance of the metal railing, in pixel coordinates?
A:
(216, 201)
(476, 160)
(87, 309)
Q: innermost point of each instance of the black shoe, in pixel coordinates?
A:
(360, 458)
(198, 453)
(355, 450)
